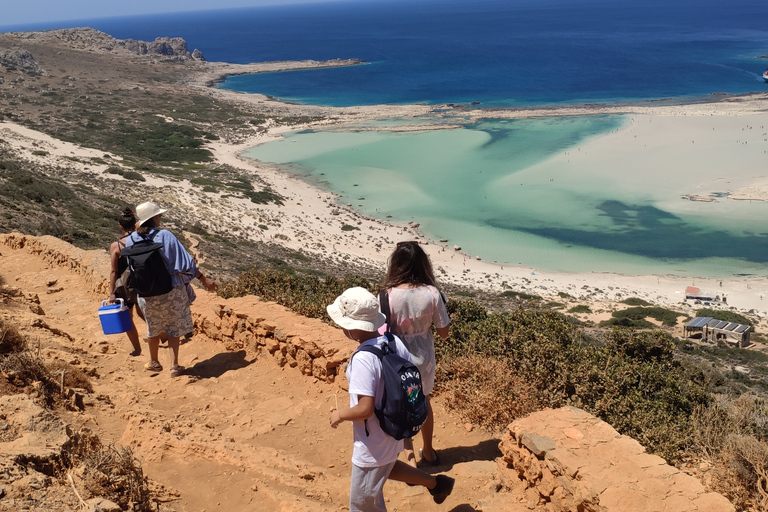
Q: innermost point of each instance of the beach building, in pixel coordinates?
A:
(692, 292)
(714, 330)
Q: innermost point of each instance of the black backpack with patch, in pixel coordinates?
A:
(149, 275)
(404, 406)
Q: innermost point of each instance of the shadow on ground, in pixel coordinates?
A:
(218, 365)
(486, 450)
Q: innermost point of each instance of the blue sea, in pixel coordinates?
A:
(494, 53)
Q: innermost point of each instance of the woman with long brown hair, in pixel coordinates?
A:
(415, 303)
(126, 223)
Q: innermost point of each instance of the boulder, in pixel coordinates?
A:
(18, 59)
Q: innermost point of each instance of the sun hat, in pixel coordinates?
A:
(146, 211)
(356, 308)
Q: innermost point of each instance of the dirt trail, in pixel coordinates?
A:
(237, 431)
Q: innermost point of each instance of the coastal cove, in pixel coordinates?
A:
(632, 194)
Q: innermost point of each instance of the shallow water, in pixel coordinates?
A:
(495, 189)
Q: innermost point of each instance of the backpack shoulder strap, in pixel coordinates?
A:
(391, 346)
(378, 353)
(369, 348)
(384, 306)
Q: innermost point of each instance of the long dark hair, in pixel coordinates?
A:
(409, 264)
(127, 220)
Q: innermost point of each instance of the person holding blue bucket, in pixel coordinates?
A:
(118, 276)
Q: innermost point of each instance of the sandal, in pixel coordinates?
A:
(426, 462)
(153, 366)
(176, 371)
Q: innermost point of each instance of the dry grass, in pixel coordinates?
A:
(732, 434)
(485, 391)
(74, 377)
(10, 339)
(114, 473)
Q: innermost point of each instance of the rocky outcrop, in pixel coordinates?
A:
(567, 459)
(287, 342)
(170, 47)
(84, 38)
(17, 59)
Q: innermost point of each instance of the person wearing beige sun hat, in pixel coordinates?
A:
(167, 315)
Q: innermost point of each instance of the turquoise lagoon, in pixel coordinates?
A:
(482, 187)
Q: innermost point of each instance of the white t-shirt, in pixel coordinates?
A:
(364, 376)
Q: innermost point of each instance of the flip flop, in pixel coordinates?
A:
(176, 371)
(426, 462)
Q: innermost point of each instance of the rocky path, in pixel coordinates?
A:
(238, 431)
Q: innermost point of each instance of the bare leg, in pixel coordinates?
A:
(410, 457)
(173, 344)
(402, 472)
(133, 336)
(154, 345)
(428, 452)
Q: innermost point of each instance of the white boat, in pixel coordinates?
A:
(765, 75)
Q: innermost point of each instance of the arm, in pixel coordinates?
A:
(114, 256)
(182, 263)
(362, 411)
(440, 317)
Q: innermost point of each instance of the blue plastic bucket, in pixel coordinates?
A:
(115, 318)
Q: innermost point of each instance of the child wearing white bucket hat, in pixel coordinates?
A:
(374, 454)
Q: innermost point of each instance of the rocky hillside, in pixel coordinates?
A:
(247, 426)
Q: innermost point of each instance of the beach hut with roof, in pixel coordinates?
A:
(693, 292)
(714, 330)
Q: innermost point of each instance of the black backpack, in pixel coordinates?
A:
(404, 407)
(149, 275)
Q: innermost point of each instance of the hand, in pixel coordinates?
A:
(209, 284)
(112, 299)
(335, 418)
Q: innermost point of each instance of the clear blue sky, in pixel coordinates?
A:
(22, 12)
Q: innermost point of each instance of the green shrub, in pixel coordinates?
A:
(632, 382)
(635, 301)
(347, 227)
(519, 295)
(636, 317)
(133, 175)
(581, 308)
(304, 293)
